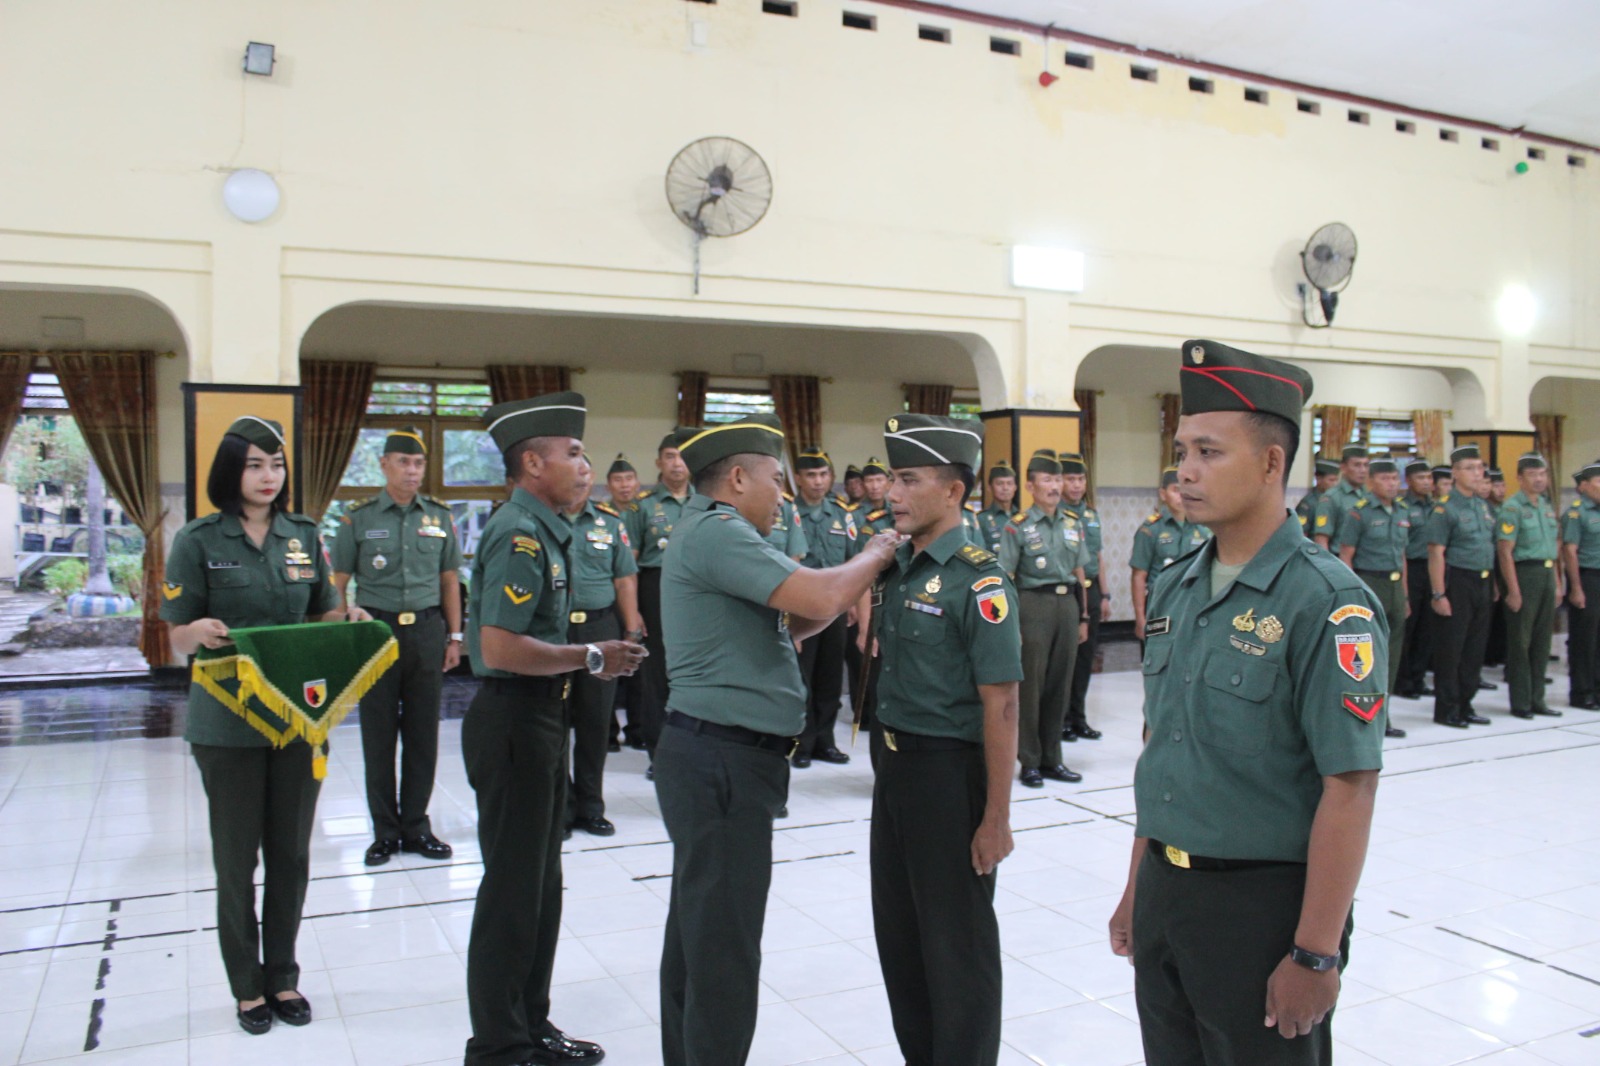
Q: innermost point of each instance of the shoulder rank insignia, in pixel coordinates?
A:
(608, 509)
(644, 495)
(973, 507)
(875, 515)
(1019, 516)
(789, 496)
(1155, 516)
(517, 595)
(1361, 503)
(975, 555)
(1508, 528)
(525, 544)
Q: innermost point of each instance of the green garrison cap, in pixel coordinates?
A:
(1466, 451)
(620, 465)
(1326, 467)
(1442, 471)
(1216, 377)
(852, 471)
(1496, 474)
(1169, 476)
(1001, 469)
(560, 414)
(1072, 463)
(1592, 470)
(678, 435)
(1353, 451)
(760, 434)
(407, 441)
(1044, 461)
(813, 459)
(1418, 466)
(1531, 461)
(264, 433)
(1383, 465)
(931, 440)
(874, 465)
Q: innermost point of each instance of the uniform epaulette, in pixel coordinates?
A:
(851, 507)
(974, 508)
(360, 504)
(1361, 502)
(789, 496)
(1338, 576)
(608, 509)
(643, 495)
(437, 502)
(1019, 516)
(1155, 516)
(305, 520)
(976, 557)
(875, 515)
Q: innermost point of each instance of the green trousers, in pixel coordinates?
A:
(1528, 635)
(1049, 651)
(1392, 594)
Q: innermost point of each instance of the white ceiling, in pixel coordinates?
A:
(1513, 63)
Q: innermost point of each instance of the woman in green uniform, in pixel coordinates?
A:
(251, 564)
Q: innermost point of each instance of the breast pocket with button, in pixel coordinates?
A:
(1232, 711)
(924, 628)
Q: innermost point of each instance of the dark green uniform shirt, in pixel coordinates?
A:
(971, 529)
(992, 520)
(1040, 550)
(601, 553)
(1530, 525)
(1379, 534)
(1093, 539)
(1464, 525)
(1162, 539)
(831, 534)
(1418, 508)
(1332, 507)
(871, 520)
(654, 513)
(946, 622)
(215, 571)
(1254, 695)
(1581, 526)
(729, 656)
(523, 578)
(788, 535)
(395, 553)
(1306, 510)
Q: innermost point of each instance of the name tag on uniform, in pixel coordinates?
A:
(837, 532)
(222, 564)
(1157, 626)
(431, 531)
(377, 534)
(925, 608)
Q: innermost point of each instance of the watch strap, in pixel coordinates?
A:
(1312, 961)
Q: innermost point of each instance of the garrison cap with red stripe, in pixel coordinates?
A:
(1216, 377)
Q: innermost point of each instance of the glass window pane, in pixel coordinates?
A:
(462, 399)
(363, 471)
(471, 458)
(732, 405)
(470, 517)
(401, 398)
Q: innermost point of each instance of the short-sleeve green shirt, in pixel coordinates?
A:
(651, 520)
(523, 580)
(1163, 539)
(946, 623)
(1531, 527)
(1254, 695)
(1306, 510)
(730, 659)
(215, 571)
(871, 520)
(1093, 537)
(1039, 549)
(395, 553)
(1379, 534)
(1418, 508)
(1332, 507)
(600, 555)
(1465, 527)
(1581, 526)
(971, 529)
(992, 520)
(831, 534)
(788, 535)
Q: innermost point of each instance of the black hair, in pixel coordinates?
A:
(1271, 429)
(225, 482)
(958, 472)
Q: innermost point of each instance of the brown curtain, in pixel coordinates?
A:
(929, 399)
(1088, 425)
(1429, 428)
(1171, 408)
(798, 399)
(334, 397)
(692, 386)
(516, 381)
(1547, 432)
(1338, 427)
(112, 396)
(14, 370)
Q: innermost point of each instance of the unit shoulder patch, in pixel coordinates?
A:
(525, 544)
(1348, 611)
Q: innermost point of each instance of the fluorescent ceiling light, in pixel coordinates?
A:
(1055, 269)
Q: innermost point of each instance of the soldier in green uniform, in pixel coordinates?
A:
(854, 486)
(1494, 492)
(514, 736)
(1327, 476)
(874, 486)
(1165, 536)
(1264, 667)
(1418, 654)
(1372, 541)
(1443, 480)
(947, 709)
(1097, 599)
(252, 564)
(1337, 501)
(1044, 550)
(654, 515)
(604, 607)
(1002, 504)
(733, 607)
(1580, 554)
(831, 540)
(401, 548)
(1460, 564)
(971, 528)
(1526, 547)
(872, 517)
(788, 535)
(622, 482)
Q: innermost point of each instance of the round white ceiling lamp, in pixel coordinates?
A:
(250, 195)
(1517, 310)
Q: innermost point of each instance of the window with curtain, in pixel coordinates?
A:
(1393, 435)
(726, 404)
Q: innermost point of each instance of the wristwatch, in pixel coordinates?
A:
(455, 638)
(1312, 961)
(594, 660)
(1437, 596)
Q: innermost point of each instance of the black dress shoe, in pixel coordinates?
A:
(638, 745)
(556, 1047)
(1487, 686)
(566, 834)
(1393, 733)
(1069, 735)
(650, 772)
(783, 812)
(1522, 714)
(1032, 779)
(1590, 704)
(1547, 712)
(1475, 719)
(1061, 773)
(595, 827)
(428, 846)
(380, 851)
(1424, 691)
(1087, 733)
(801, 761)
(612, 747)
(1453, 723)
(256, 1020)
(296, 1011)
(833, 755)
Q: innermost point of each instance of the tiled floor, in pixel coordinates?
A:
(1479, 916)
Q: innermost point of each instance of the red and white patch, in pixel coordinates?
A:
(1355, 654)
(1364, 705)
(1350, 610)
(986, 583)
(994, 606)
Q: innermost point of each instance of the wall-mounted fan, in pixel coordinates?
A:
(718, 187)
(1328, 258)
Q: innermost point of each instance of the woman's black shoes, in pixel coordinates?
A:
(256, 1020)
(296, 1011)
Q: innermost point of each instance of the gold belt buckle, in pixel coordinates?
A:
(1088, 583)
(1483, 574)
(1177, 857)
(1061, 590)
(1394, 575)
(1549, 564)
(888, 738)
(566, 689)
(407, 618)
(577, 618)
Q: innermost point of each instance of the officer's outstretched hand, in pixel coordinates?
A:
(1298, 998)
(990, 844)
(882, 546)
(622, 657)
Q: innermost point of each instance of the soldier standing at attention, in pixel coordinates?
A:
(875, 487)
(1164, 538)
(831, 540)
(787, 535)
(622, 482)
(604, 607)
(1264, 670)
(733, 607)
(401, 548)
(1443, 480)
(1097, 601)
(854, 486)
(1580, 552)
(1044, 551)
(655, 513)
(1494, 491)
(514, 736)
(1526, 548)
(1002, 504)
(1372, 542)
(1460, 563)
(1327, 477)
(872, 517)
(1337, 501)
(1418, 653)
(947, 708)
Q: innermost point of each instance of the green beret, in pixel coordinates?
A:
(852, 471)
(620, 465)
(1215, 377)
(1384, 465)
(1001, 469)
(1496, 475)
(1531, 461)
(874, 465)
(559, 414)
(1044, 461)
(813, 459)
(1442, 471)
(1072, 463)
(1169, 476)
(931, 440)
(1592, 470)
(1466, 451)
(1418, 466)
(264, 433)
(759, 434)
(1326, 467)
(407, 441)
(1353, 451)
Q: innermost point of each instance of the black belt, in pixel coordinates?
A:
(593, 614)
(1183, 860)
(1589, 569)
(785, 746)
(403, 618)
(552, 688)
(1466, 571)
(904, 742)
(1381, 575)
(1543, 564)
(1059, 589)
